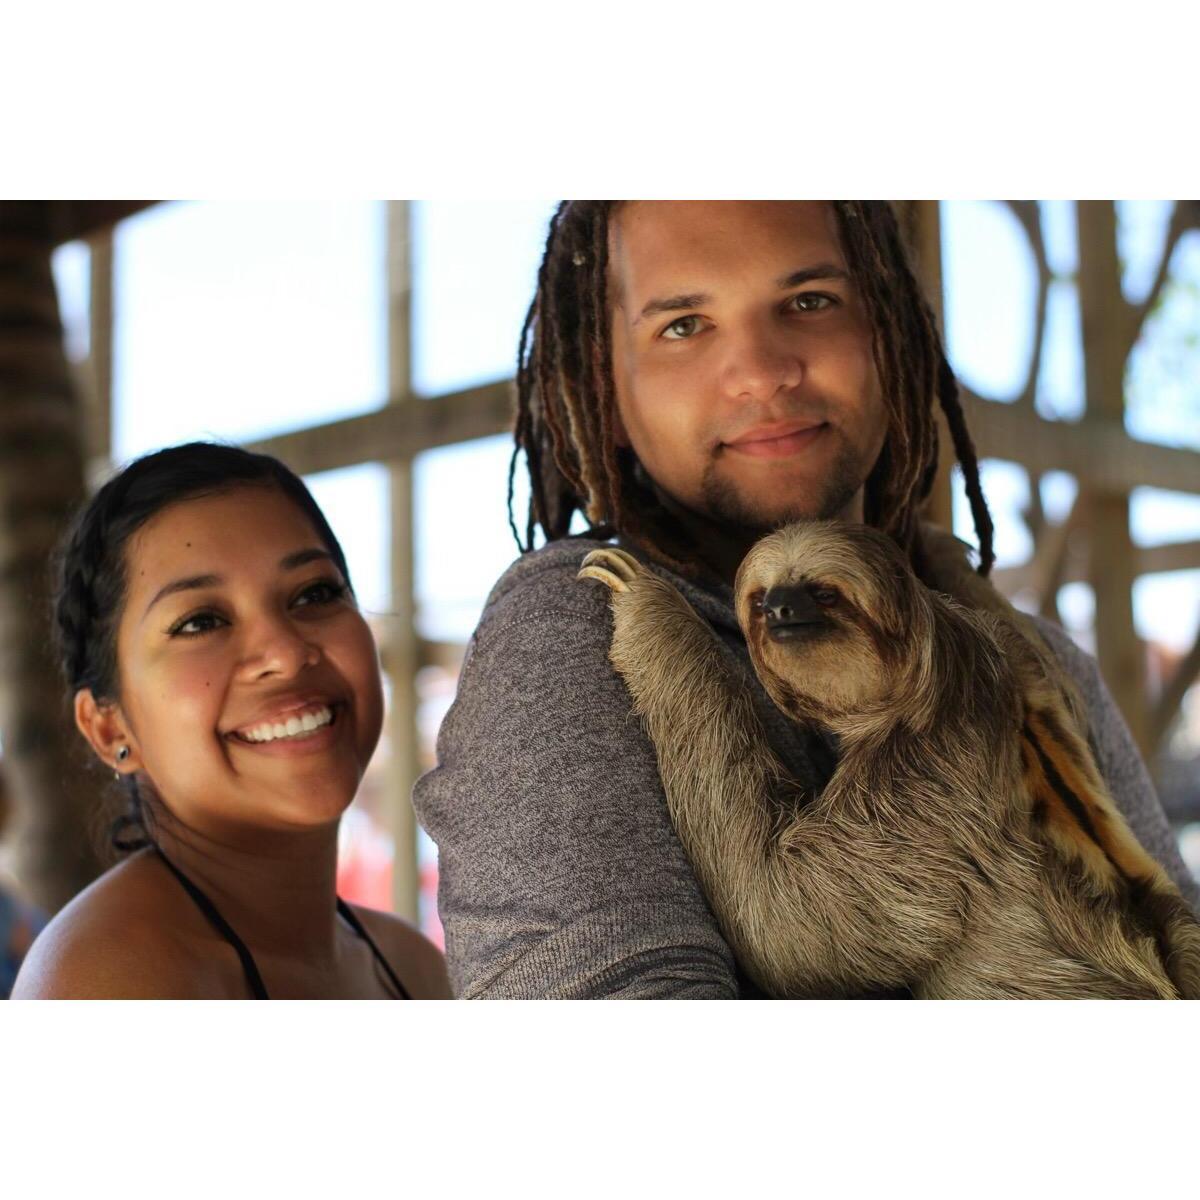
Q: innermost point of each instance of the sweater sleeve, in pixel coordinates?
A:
(560, 873)
(1120, 763)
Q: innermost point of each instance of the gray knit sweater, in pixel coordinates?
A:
(561, 875)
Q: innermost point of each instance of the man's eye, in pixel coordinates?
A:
(811, 301)
(684, 327)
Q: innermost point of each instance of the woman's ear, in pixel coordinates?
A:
(107, 732)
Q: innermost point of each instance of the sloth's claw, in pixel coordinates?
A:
(612, 567)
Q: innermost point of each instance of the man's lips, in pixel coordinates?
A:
(776, 441)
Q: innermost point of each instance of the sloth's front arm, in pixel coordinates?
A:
(792, 889)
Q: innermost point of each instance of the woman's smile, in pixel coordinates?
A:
(309, 732)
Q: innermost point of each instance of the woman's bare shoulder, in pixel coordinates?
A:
(116, 940)
(420, 965)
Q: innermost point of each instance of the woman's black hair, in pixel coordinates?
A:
(90, 587)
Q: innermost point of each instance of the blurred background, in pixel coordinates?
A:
(370, 345)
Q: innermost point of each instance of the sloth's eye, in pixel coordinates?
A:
(756, 602)
(826, 597)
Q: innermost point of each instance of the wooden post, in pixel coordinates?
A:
(98, 425)
(921, 221)
(1111, 552)
(402, 649)
(41, 484)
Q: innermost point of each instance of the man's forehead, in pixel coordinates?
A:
(677, 243)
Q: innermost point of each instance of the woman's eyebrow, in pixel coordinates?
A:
(289, 562)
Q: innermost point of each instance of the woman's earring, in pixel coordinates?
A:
(122, 755)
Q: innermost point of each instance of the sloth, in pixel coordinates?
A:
(965, 846)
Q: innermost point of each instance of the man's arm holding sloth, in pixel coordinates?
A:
(560, 873)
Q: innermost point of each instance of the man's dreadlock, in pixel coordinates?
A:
(566, 397)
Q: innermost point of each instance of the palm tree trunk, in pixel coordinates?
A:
(41, 483)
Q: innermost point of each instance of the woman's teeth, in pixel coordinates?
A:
(292, 727)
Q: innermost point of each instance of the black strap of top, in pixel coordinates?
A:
(218, 922)
(357, 926)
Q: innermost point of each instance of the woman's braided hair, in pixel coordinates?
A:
(90, 567)
(566, 398)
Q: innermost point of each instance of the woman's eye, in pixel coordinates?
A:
(324, 592)
(684, 327)
(194, 625)
(811, 301)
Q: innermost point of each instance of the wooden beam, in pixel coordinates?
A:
(1148, 560)
(1110, 546)
(446, 656)
(398, 431)
(1163, 713)
(59, 221)
(1050, 553)
(1097, 451)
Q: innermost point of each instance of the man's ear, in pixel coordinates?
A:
(107, 732)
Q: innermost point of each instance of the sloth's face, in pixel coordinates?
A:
(825, 608)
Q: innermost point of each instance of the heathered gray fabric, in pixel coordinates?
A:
(561, 875)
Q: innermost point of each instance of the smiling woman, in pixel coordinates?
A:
(221, 668)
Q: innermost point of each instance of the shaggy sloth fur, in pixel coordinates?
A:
(965, 846)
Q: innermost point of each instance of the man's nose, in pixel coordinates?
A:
(761, 363)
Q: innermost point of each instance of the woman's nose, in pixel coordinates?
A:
(277, 647)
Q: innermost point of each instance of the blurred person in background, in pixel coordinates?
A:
(20, 922)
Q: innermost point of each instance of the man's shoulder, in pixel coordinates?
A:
(1076, 661)
(544, 584)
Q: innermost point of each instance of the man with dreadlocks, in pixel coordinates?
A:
(691, 375)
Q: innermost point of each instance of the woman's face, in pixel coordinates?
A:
(236, 622)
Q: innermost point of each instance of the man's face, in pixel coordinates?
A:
(742, 357)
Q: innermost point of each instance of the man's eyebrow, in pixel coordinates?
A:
(808, 274)
(672, 304)
(688, 300)
(289, 562)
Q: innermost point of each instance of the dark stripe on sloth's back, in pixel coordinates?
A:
(1066, 795)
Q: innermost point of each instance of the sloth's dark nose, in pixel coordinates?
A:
(791, 609)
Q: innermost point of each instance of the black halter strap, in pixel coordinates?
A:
(218, 922)
(355, 924)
